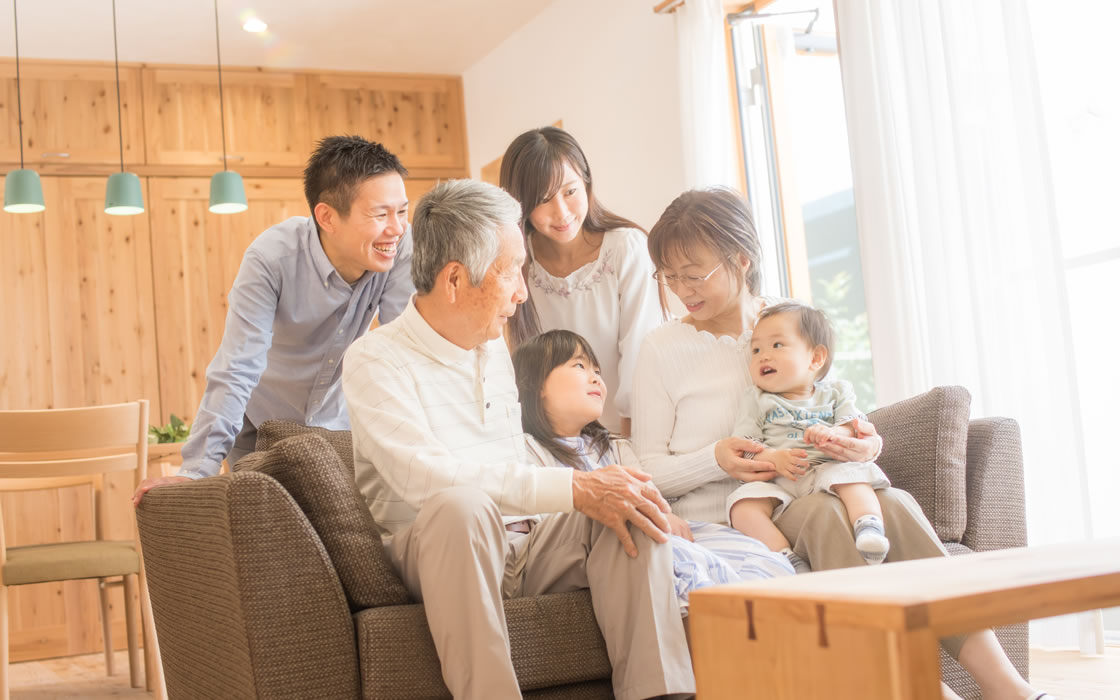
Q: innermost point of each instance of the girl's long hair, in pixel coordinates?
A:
(532, 170)
(533, 361)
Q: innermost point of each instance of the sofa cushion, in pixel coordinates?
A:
(312, 472)
(554, 641)
(925, 443)
(273, 431)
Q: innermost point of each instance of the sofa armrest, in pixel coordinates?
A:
(995, 496)
(245, 600)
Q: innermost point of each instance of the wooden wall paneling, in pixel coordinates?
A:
(196, 256)
(92, 291)
(266, 117)
(416, 188)
(72, 109)
(420, 119)
(25, 377)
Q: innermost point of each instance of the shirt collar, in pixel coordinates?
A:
(322, 263)
(435, 344)
(319, 257)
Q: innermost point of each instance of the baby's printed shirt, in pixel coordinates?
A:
(780, 423)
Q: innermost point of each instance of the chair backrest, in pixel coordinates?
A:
(65, 442)
(56, 448)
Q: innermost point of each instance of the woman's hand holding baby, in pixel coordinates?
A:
(864, 447)
(730, 457)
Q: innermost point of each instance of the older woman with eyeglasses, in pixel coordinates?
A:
(690, 376)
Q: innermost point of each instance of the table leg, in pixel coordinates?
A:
(791, 650)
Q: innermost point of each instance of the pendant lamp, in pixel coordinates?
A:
(227, 191)
(123, 196)
(23, 191)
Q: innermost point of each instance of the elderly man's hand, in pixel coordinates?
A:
(616, 495)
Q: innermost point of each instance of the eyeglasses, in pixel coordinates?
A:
(690, 281)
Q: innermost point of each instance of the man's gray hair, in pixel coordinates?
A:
(458, 222)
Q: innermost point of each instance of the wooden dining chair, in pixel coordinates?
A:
(63, 448)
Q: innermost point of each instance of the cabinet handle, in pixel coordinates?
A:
(232, 157)
(59, 154)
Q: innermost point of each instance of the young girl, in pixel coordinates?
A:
(562, 396)
(791, 409)
(587, 269)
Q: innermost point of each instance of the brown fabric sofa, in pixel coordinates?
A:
(271, 582)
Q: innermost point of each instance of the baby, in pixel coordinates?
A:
(792, 409)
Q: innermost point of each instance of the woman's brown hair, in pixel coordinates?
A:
(533, 361)
(532, 169)
(719, 218)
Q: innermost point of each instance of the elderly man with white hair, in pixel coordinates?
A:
(440, 457)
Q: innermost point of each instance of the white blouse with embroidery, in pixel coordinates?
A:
(612, 302)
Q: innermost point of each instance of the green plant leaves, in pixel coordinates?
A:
(175, 431)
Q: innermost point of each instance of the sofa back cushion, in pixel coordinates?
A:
(925, 443)
(310, 469)
(273, 431)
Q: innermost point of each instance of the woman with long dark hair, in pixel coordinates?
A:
(588, 269)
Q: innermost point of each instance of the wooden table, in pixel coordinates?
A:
(872, 632)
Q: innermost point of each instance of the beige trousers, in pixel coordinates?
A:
(818, 529)
(460, 561)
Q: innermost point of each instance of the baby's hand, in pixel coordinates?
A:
(818, 434)
(791, 463)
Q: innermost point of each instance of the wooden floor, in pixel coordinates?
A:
(1071, 676)
(1064, 673)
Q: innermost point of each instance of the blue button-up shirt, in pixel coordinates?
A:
(291, 317)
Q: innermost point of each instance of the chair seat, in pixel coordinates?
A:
(64, 561)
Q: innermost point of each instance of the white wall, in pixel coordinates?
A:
(608, 69)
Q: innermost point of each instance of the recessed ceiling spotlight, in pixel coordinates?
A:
(254, 25)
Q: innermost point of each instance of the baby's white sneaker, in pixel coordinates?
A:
(871, 539)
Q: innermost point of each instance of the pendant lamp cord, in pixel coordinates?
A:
(117, 66)
(221, 98)
(19, 101)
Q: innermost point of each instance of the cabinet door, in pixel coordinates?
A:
(266, 117)
(196, 256)
(420, 119)
(76, 317)
(415, 189)
(70, 114)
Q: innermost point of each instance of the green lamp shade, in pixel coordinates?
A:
(227, 193)
(123, 196)
(23, 192)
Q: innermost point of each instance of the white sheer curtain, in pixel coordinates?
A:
(961, 256)
(707, 131)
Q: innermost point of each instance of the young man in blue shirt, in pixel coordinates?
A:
(306, 289)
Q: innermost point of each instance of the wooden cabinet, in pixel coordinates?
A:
(99, 309)
(77, 319)
(415, 189)
(70, 113)
(420, 119)
(266, 117)
(196, 256)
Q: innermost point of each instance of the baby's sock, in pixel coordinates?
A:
(799, 565)
(871, 539)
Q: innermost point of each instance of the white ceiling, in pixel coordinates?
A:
(412, 36)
